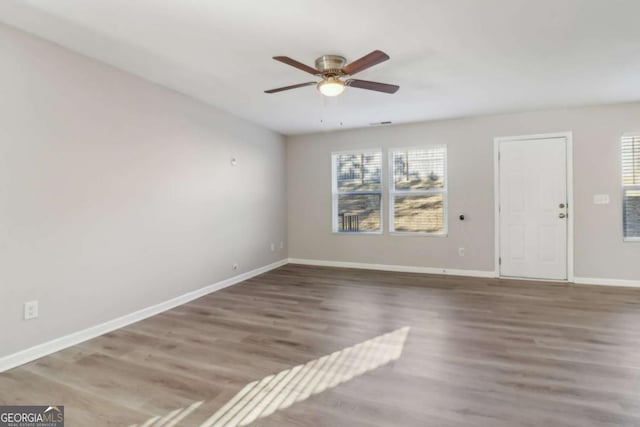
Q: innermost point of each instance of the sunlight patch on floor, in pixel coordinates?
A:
(171, 419)
(262, 398)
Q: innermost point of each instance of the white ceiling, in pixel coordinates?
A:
(451, 58)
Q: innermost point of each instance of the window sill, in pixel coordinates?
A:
(416, 234)
(631, 239)
(358, 233)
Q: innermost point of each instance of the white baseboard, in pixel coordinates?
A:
(454, 272)
(389, 267)
(41, 350)
(607, 282)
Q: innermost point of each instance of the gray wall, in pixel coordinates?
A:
(599, 249)
(116, 194)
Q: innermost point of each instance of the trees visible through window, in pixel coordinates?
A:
(357, 192)
(418, 194)
(631, 187)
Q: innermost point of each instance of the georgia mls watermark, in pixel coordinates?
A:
(32, 416)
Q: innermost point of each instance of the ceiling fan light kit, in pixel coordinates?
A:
(332, 69)
(331, 86)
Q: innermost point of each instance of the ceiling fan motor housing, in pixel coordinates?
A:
(330, 65)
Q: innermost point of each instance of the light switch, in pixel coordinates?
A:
(600, 199)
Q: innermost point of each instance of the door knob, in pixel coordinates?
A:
(561, 206)
(562, 215)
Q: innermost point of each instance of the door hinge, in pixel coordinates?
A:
(500, 261)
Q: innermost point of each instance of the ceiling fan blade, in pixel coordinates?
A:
(367, 61)
(280, 89)
(379, 87)
(296, 64)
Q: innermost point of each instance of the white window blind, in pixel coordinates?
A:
(418, 195)
(631, 187)
(357, 192)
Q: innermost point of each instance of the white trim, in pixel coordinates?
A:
(571, 205)
(570, 208)
(607, 282)
(358, 233)
(416, 234)
(533, 279)
(567, 134)
(41, 350)
(458, 272)
(496, 207)
(389, 267)
(357, 151)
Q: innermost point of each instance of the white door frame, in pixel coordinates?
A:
(570, 208)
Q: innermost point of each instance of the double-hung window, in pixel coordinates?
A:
(631, 187)
(418, 191)
(357, 192)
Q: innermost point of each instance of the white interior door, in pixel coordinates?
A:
(533, 208)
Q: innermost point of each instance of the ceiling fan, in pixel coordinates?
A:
(332, 69)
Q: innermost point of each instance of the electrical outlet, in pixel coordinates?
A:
(273, 246)
(30, 310)
(601, 199)
(235, 266)
(461, 251)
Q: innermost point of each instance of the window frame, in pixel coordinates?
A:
(335, 193)
(625, 188)
(393, 192)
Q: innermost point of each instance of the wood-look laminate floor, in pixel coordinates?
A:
(478, 352)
